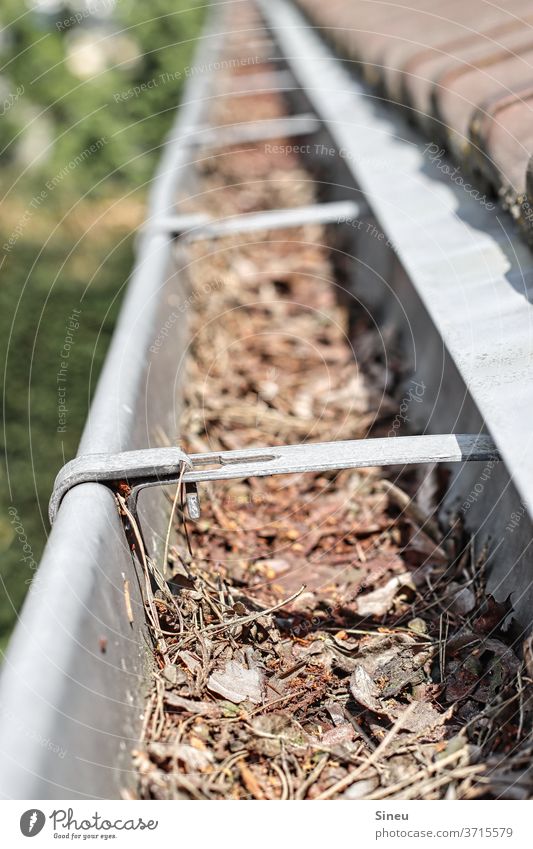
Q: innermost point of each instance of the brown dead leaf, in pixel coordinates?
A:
(250, 782)
(422, 717)
(463, 600)
(193, 758)
(364, 690)
(361, 788)
(339, 736)
(237, 683)
(379, 602)
(493, 615)
(198, 708)
(192, 663)
(376, 652)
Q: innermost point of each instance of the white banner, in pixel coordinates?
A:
(233, 825)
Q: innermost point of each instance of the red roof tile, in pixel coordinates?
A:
(463, 70)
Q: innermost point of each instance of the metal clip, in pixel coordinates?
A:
(192, 499)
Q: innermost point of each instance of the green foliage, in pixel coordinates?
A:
(81, 111)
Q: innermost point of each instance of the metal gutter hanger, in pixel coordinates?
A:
(164, 466)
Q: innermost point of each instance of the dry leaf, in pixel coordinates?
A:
(237, 683)
(463, 601)
(364, 690)
(379, 602)
(193, 758)
(361, 788)
(198, 708)
(339, 736)
(422, 717)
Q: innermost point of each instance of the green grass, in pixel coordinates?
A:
(71, 251)
(33, 322)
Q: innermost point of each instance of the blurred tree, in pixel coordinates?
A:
(137, 45)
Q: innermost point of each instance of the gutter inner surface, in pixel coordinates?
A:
(315, 636)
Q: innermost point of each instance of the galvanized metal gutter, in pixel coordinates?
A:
(474, 276)
(447, 269)
(71, 689)
(71, 686)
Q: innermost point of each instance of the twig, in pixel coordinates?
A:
(352, 776)
(154, 619)
(283, 779)
(244, 620)
(311, 778)
(412, 779)
(171, 517)
(411, 509)
(127, 598)
(249, 780)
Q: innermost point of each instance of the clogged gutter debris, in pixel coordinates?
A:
(316, 637)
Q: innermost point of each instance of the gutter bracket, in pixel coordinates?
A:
(163, 466)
